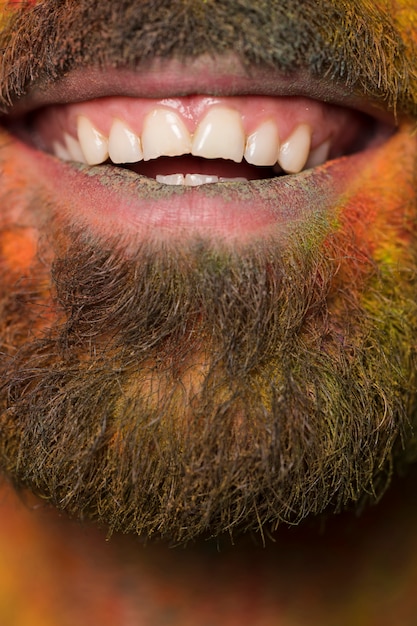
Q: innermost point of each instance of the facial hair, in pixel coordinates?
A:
(177, 392)
(180, 393)
(286, 36)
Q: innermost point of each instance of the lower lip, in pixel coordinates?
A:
(113, 202)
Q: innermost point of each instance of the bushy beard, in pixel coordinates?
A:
(199, 390)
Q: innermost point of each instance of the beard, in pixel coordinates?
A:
(176, 392)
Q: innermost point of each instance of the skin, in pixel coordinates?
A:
(274, 381)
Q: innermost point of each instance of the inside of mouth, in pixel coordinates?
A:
(221, 169)
(359, 132)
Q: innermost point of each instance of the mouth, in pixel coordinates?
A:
(175, 151)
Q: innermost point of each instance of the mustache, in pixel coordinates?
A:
(287, 36)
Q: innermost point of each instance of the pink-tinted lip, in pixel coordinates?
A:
(114, 201)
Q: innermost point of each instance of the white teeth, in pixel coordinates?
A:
(164, 134)
(171, 179)
(293, 154)
(319, 155)
(190, 180)
(93, 143)
(124, 145)
(262, 145)
(194, 180)
(74, 148)
(220, 136)
(61, 152)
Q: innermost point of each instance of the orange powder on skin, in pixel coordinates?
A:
(380, 215)
(386, 227)
(18, 244)
(18, 248)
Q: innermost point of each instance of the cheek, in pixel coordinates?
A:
(8, 7)
(407, 22)
(18, 248)
(377, 219)
(404, 13)
(382, 202)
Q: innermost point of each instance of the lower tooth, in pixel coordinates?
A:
(172, 179)
(194, 180)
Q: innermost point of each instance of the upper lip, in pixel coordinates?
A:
(207, 75)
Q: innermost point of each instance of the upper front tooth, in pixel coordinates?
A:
(262, 145)
(293, 154)
(164, 134)
(220, 136)
(93, 143)
(124, 145)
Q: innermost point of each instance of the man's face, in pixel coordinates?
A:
(186, 354)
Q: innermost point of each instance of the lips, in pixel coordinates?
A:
(141, 165)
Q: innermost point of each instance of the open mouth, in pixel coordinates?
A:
(197, 140)
(144, 159)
